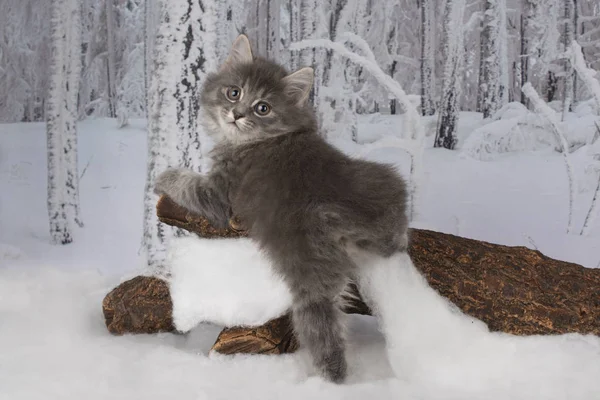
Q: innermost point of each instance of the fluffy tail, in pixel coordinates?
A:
(431, 342)
(417, 322)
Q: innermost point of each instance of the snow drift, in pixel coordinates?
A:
(429, 341)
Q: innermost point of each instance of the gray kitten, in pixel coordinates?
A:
(310, 207)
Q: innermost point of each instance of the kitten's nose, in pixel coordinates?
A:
(237, 115)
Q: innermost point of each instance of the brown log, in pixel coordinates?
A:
(512, 289)
(139, 305)
(274, 337)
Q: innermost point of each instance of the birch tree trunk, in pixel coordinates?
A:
(453, 48)
(73, 81)
(294, 33)
(427, 59)
(503, 63)
(575, 37)
(568, 38)
(524, 50)
(65, 68)
(151, 14)
(111, 64)
(260, 26)
(184, 53)
(273, 30)
(490, 84)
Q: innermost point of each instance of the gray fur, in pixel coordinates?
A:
(308, 205)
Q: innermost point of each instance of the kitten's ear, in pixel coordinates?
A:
(298, 85)
(240, 52)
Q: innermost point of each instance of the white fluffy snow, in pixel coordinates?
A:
(223, 281)
(53, 343)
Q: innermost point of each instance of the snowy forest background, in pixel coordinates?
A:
(499, 45)
(490, 109)
(527, 67)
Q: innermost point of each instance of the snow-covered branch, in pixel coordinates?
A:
(412, 122)
(593, 211)
(360, 43)
(586, 74)
(541, 107)
(473, 22)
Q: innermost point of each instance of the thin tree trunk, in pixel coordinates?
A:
(575, 37)
(451, 90)
(524, 59)
(427, 59)
(110, 59)
(273, 30)
(393, 102)
(552, 86)
(489, 87)
(569, 73)
(480, 78)
(73, 79)
(150, 21)
(262, 26)
(63, 188)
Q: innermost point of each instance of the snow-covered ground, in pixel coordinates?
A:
(53, 343)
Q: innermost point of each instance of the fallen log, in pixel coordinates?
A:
(512, 289)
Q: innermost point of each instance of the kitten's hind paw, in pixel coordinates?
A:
(335, 368)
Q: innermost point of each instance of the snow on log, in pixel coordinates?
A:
(512, 289)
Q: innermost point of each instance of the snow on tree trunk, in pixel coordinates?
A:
(184, 52)
(260, 27)
(73, 79)
(575, 37)
(111, 64)
(427, 59)
(199, 57)
(293, 9)
(151, 15)
(339, 114)
(232, 17)
(568, 38)
(504, 65)
(273, 30)
(559, 135)
(524, 50)
(63, 180)
(489, 86)
(586, 74)
(310, 21)
(453, 49)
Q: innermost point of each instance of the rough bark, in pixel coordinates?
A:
(274, 337)
(139, 305)
(512, 289)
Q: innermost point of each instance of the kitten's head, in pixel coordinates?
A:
(251, 98)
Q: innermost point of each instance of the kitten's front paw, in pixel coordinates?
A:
(166, 181)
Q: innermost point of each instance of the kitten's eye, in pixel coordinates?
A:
(233, 93)
(262, 108)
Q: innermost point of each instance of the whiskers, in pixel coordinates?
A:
(245, 124)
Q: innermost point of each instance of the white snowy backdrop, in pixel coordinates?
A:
(491, 109)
